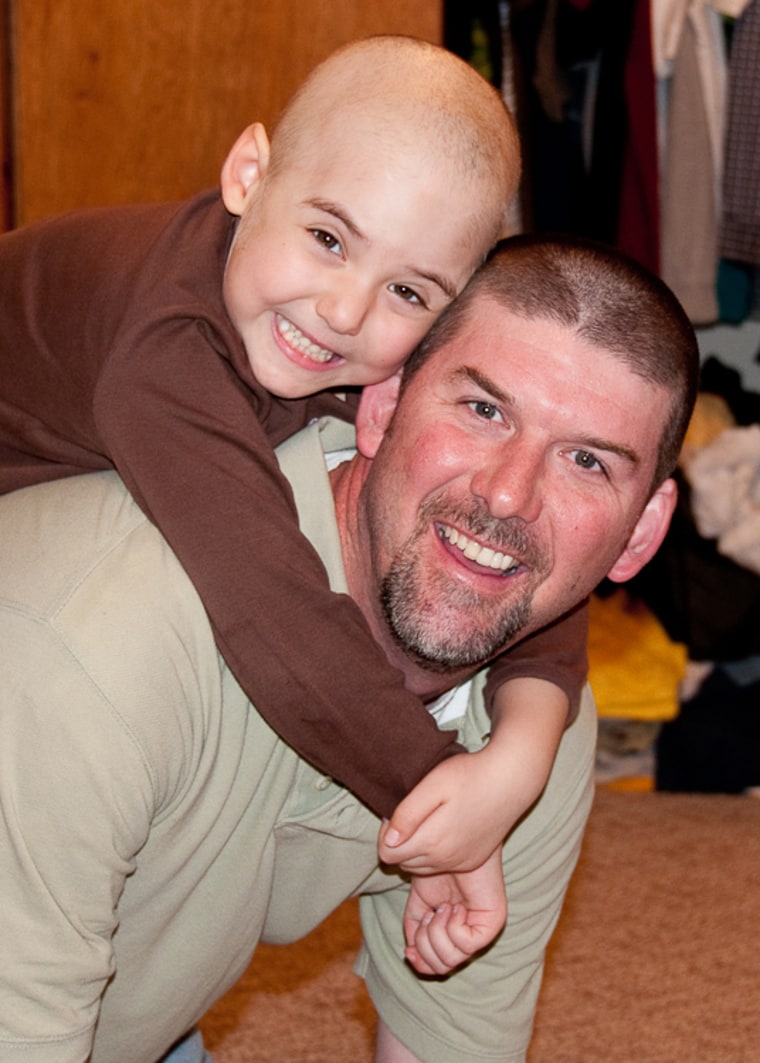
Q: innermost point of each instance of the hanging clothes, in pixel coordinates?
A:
(690, 65)
(740, 237)
(638, 231)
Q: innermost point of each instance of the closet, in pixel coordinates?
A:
(640, 122)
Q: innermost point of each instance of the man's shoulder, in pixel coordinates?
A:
(90, 583)
(304, 459)
(56, 535)
(83, 560)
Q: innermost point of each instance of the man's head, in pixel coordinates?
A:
(388, 178)
(602, 296)
(527, 457)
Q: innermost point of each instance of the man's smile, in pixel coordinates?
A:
(482, 556)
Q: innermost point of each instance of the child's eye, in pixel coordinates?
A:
(327, 240)
(409, 295)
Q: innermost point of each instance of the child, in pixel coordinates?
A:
(177, 343)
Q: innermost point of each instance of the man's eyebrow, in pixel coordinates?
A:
(484, 382)
(487, 385)
(339, 212)
(620, 449)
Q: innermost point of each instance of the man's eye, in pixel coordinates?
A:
(409, 295)
(586, 460)
(486, 410)
(327, 240)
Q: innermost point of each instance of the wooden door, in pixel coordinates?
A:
(140, 99)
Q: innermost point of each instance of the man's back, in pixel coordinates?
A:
(135, 770)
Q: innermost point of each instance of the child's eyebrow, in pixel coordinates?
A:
(329, 207)
(338, 212)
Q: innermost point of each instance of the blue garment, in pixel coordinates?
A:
(189, 1050)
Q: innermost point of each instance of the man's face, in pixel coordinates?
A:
(510, 482)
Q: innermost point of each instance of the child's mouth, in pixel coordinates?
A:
(301, 342)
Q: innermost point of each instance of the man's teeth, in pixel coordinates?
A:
(482, 555)
(302, 343)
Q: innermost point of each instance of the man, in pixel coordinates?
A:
(154, 828)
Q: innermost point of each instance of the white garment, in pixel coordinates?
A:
(725, 483)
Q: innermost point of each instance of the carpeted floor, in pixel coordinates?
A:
(656, 958)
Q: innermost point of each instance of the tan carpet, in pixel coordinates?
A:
(656, 958)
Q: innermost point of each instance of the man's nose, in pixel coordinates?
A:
(511, 483)
(344, 305)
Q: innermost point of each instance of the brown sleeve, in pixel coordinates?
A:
(124, 355)
(185, 441)
(557, 653)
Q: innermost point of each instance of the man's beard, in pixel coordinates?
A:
(431, 618)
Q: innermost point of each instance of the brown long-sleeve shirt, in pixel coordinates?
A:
(116, 351)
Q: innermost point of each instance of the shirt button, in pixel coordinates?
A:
(324, 782)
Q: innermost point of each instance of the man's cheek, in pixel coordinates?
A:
(439, 458)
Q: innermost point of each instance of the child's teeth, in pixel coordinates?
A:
(297, 339)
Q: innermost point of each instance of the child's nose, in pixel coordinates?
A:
(344, 307)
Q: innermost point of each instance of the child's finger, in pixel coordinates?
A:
(409, 815)
(416, 854)
(470, 937)
(434, 945)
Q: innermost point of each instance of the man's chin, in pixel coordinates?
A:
(438, 653)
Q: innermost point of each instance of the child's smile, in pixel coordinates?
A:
(302, 350)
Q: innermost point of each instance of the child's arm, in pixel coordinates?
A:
(120, 353)
(465, 807)
(458, 814)
(557, 653)
(304, 655)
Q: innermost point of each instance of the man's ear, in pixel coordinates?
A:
(649, 532)
(244, 167)
(376, 408)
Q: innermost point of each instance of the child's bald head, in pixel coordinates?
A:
(427, 98)
(387, 181)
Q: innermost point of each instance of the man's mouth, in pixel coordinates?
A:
(484, 556)
(301, 343)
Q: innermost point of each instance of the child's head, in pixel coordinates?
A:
(388, 178)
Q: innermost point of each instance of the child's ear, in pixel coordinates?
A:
(244, 167)
(376, 408)
(649, 532)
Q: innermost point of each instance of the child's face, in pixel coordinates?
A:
(341, 265)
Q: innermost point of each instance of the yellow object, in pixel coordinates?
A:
(634, 667)
(711, 416)
(633, 784)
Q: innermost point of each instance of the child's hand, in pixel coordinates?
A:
(466, 806)
(457, 815)
(449, 918)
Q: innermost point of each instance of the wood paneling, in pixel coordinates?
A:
(141, 99)
(5, 115)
